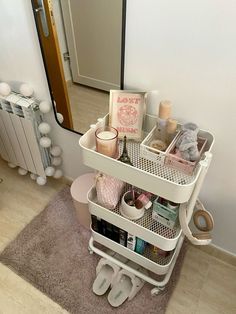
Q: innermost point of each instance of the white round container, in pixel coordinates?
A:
(130, 212)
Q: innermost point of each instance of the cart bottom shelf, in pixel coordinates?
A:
(157, 264)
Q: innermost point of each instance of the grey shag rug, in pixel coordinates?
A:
(51, 253)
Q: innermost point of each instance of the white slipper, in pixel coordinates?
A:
(106, 273)
(103, 280)
(126, 285)
(120, 291)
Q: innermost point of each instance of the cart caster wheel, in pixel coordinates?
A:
(90, 251)
(156, 291)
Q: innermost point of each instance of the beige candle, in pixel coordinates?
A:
(106, 141)
(171, 128)
(165, 109)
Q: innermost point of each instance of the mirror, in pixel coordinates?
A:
(82, 44)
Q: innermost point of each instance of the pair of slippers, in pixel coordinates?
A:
(124, 285)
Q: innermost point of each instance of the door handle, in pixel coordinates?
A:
(42, 14)
(38, 9)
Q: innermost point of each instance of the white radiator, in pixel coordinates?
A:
(19, 135)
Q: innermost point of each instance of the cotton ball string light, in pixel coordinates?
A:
(56, 161)
(44, 128)
(41, 181)
(58, 174)
(33, 176)
(5, 89)
(11, 165)
(45, 141)
(49, 171)
(45, 106)
(22, 171)
(55, 151)
(60, 117)
(26, 90)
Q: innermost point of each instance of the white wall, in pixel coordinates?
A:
(20, 60)
(187, 50)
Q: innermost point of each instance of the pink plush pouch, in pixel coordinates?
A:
(109, 190)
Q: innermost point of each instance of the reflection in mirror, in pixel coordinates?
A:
(83, 55)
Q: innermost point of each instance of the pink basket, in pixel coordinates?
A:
(180, 164)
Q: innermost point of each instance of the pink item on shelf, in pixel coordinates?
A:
(109, 190)
(143, 201)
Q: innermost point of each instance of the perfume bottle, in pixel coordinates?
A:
(143, 201)
(124, 156)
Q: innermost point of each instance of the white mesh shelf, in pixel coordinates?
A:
(149, 260)
(158, 179)
(156, 169)
(145, 228)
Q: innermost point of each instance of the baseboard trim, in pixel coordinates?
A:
(219, 253)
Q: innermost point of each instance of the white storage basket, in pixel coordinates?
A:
(150, 153)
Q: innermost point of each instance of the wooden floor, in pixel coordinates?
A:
(87, 105)
(206, 285)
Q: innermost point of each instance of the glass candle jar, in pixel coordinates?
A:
(107, 141)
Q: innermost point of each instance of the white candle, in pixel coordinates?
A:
(106, 135)
(106, 142)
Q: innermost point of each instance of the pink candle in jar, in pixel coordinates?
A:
(107, 141)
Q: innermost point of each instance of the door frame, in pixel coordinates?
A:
(53, 64)
(49, 73)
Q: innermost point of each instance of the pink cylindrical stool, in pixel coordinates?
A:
(79, 190)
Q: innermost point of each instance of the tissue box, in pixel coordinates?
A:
(166, 216)
(164, 221)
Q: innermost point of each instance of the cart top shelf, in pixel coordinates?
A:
(150, 176)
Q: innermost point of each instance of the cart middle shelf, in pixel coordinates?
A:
(145, 228)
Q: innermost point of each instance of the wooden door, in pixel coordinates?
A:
(52, 59)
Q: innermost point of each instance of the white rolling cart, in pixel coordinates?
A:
(149, 176)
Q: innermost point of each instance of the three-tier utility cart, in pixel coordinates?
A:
(158, 179)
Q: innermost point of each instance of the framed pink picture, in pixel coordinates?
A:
(126, 112)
